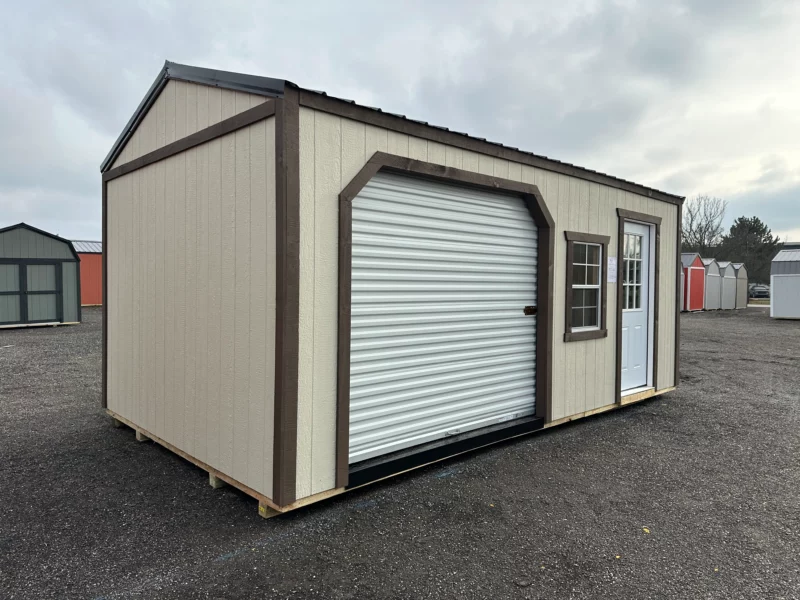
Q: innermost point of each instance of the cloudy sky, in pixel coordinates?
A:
(692, 97)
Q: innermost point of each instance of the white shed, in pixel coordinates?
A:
(713, 284)
(785, 285)
(741, 285)
(728, 291)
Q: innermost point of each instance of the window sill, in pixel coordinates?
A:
(581, 336)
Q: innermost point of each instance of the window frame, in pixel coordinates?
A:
(577, 334)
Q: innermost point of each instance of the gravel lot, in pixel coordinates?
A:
(693, 495)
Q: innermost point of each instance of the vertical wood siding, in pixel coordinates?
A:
(181, 109)
(332, 151)
(191, 293)
(24, 243)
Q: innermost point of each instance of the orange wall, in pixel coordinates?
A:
(91, 279)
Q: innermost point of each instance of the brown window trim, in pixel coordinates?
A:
(588, 238)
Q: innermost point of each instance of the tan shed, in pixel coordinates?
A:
(304, 295)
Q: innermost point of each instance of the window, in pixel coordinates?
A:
(586, 287)
(632, 272)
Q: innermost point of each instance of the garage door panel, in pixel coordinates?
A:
(373, 248)
(439, 341)
(400, 198)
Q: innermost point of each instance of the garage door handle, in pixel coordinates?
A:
(529, 310)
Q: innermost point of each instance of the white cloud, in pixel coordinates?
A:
(691, 97)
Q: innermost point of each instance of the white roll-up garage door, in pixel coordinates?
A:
(440, 344)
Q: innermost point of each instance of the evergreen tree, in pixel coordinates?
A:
(751, 242)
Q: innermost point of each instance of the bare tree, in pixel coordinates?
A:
(702, 224)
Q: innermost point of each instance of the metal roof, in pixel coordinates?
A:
(723, 263)
(267, 86)
(87, 247)
(708, 261)
(687, 258)
(787, 256)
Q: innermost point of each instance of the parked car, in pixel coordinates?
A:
(758, 290)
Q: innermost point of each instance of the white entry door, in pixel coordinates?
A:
(635, 306)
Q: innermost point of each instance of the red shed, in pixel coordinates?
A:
(694, 278)
(91, 255)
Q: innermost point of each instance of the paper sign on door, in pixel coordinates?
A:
(612, 269)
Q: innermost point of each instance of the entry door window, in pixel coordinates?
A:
(632, 277)
(42, 292)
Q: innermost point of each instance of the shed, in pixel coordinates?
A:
(694, 277)
(91, 255)
(713, 284)
(330, 294)
(741, 285)
(39, 274)
(727, 272)
(784, 283)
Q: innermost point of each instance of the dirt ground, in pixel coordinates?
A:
(692, 495)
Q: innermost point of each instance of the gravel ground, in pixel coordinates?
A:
(693, 495)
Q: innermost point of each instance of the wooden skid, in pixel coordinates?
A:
(217, 476)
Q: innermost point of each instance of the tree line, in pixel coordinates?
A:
(748, 241)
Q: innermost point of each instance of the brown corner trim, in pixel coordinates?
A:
(392, 122)
(104, 272)
(678, 300)
(602, 331)
(623, 216)
(546, 247)
(229, 125)
(287, 295)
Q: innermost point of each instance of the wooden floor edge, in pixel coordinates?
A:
(267, 508)
(596, 411)
(261, 498)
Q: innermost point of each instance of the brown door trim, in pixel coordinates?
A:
(546, 241)
(624, 215)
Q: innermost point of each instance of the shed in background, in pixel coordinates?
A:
(91, 255)
(39, 274)
(784, 282)
(713, 284)
(694, 277)
(727, 299)
(741, 285)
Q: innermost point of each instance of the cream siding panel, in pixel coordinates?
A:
(192, 301)
(177, 112)
(584, 373)
(417, 148)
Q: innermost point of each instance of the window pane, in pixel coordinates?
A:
(590, 297)
(592, 275)
(577, 317)
(579, 275)
(590, 317)
(638, 253)
(630, 297)
(593, 255)
(637, 296)
(637, 271)
(577, 298)
(626, 265)
(579, 253)
(628, 243)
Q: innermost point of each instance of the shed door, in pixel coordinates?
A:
(10, 294)
(635, 306)
(440, 344)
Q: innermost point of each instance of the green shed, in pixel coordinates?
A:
(39, 278)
